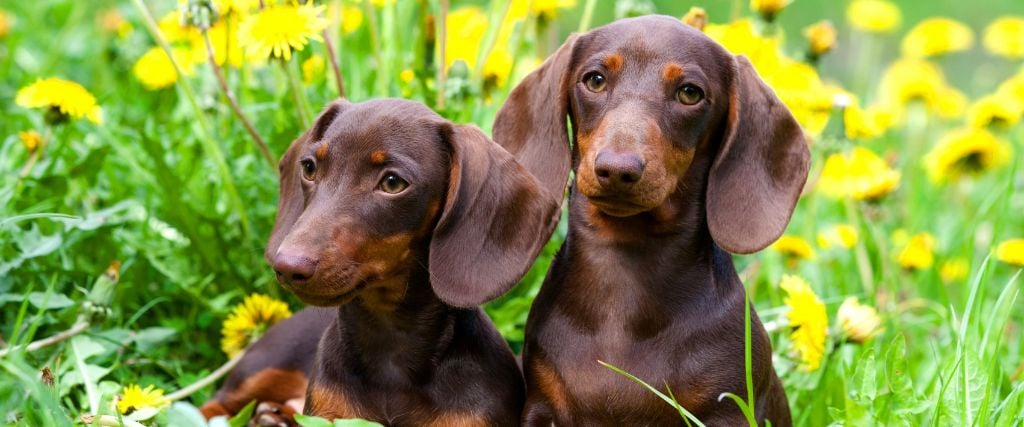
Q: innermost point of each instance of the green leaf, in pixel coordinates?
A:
(311, 421)
(356, 423)
(242, 417)
(183, 414)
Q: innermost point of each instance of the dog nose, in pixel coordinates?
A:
(293, 269)
(617, 170)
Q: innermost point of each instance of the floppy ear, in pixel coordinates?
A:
(496, 219)
(760, 169)
(291, 200)
(531, 125)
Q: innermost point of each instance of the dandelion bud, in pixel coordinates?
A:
(859, 322)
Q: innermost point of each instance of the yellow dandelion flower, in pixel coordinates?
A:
(466, 29)
(842, 235)
(937, 36)
(134, 398)
(997, 110)
(5, 23)
(860, 123)
(859, 174)
(171, 27)
(809, 320)
(768, 9)
(312, 68)
(858, 322)
(794, 247)
(1013, 88)
(917, 253)
(875, 16)
(740, 38)
(67, 98)
(953, 270)
(908, 80)
(1005, 37)
(548, 9)
(30, 139)
(155, 70)
(351, 19)
(965, 152)
(821, 36)
(249, 320)
(407, 76)
(381, 3)
(799, 87)
(277, 30)
(696, 17)
(1011, 252)
(225, 44)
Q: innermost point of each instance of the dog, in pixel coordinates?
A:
(681, 155)
(406, 223)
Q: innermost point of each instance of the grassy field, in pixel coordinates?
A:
(133, 220)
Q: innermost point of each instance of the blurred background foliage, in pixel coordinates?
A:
(169, 198)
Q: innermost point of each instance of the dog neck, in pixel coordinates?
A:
(397, 343)
(656, 262)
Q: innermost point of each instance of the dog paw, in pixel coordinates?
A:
(271, 414)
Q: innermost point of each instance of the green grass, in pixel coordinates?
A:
(173, 187)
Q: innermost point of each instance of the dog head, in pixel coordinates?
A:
(649, 99)
(377, 191)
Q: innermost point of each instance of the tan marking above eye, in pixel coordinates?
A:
(613, 62)
(671, 72)
(321, 152)
(378, 157)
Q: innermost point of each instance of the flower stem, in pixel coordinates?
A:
(78, 328)
(331, 54)
(207, 380)
(233, 102)
(36, 154)
(588, 13)
(442, 36)
(296, 87)
(860, 251)
(205, 137)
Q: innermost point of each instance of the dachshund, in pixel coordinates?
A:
(403, 223)
(681, 154)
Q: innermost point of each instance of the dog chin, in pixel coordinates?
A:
(327, 299)
(618, 208)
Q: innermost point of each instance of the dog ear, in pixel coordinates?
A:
(531, 124)
(291, 200)
(760, 169)
(495, 221)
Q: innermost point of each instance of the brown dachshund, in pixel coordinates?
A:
(407, 223)
(681, 154)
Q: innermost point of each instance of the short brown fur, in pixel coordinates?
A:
(663, 189)
(402, 268)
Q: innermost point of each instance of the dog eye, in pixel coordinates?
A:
(308, 169)
(594, 81)
(689, 94)
(393, 184)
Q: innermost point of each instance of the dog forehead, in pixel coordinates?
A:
(653, 41)
(391, 126)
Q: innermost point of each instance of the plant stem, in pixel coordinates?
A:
(331, 54)
(233, 102)
(78, 328)
(442, 36)
(207, 380)
(860, 251)
(588, 13)
(211, 148)
(295, 87)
